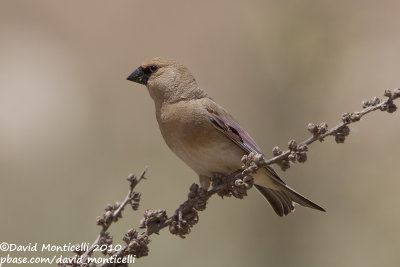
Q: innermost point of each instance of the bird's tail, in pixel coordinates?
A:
(282, 200)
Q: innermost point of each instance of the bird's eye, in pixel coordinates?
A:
(153, 68)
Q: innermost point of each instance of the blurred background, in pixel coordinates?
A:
(72, 128)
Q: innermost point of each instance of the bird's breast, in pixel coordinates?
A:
(189, 133)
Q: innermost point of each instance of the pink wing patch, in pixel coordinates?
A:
(235, 132)
(238, 135)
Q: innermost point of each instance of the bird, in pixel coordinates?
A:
(204, 135)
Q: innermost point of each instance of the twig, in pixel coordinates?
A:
(109, 218)
(340, 131)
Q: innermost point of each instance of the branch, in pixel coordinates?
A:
(340, 131)
(113, 213)
(235, 184)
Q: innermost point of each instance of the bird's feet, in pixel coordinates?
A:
(235, 184)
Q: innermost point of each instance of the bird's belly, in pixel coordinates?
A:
(213, 157)
(220, 158)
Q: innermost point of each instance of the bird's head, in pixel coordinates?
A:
(167, 80)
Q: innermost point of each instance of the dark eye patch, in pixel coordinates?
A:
(153, 68)
(147, 71)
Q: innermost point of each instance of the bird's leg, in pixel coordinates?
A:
(180, 210)
(226, 181)
(205, 182)
(231, 178)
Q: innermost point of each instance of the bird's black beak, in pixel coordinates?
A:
(138, 76)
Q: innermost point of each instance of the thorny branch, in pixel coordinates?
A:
(235, 184)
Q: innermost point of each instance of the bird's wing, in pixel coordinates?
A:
(239, 136)
(282, 199)
(235, 132)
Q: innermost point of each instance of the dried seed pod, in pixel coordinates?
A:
(302, 157)
(375, 101)
(292, 145)
(100, 220)
(248, 179)
(108, 207)
(108, 216)
(366, 103)
(292, 157)
(276, 151)
(238, 182)
(312, 128)
(131, 177)
(396, 93)
(116, 205)
(356, 116)
(346, 117)
(391, 107)
(284, 164)
(258, 159)
(388, 93)
(302, 148)
(345, 130)
(339, 138)
(322, 128)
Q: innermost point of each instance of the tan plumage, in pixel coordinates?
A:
(203, 134)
